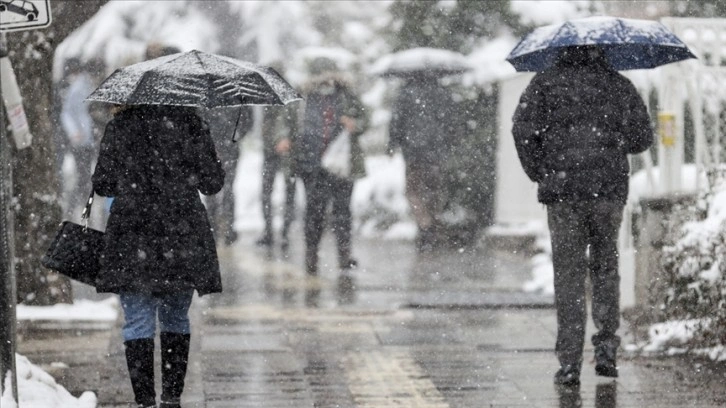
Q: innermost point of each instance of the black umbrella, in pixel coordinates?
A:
(197, 79)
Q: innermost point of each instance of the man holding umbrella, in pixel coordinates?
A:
(575, 125)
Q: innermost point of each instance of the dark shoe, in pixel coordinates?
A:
(284, 244)
(265, 241)
(605, 362)
(140, 362)
(349, 263)
(230, 238)
(426, 240)
(567, 375)
(174, 359)
(606, 355)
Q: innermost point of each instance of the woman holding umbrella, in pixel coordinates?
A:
(154, 161)
(156, 156)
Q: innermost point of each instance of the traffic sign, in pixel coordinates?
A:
(18, 15)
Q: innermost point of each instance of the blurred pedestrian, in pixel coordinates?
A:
(331, 107)
(227, 126)
(77, 138)
(154, 161)
(422, 121)
(279, 125)
(573, 129)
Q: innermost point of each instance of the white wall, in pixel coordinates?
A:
(516, 194)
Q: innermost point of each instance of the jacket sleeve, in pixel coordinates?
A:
(637, 126)
(528, 127)
(397, 124)
(209, 174)
(105, 176)
(356, 110)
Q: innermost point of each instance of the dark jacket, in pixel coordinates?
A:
(155, 161)
(574, 126)
(279, 123)
(423, 118)
(325, 102)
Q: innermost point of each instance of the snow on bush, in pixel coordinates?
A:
(693, 269)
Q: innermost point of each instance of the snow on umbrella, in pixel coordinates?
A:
(423, 60)
(627, 43)
(196, 79)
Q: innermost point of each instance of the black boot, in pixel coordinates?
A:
(568, 374)
(311, 263)
(606, 347)
(140, 362)
(174, 359)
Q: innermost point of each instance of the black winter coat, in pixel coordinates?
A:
(155, 161)
(327, 100)
(423, 119)
(573, 128)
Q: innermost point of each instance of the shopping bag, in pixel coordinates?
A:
(76, 250)
(336, 158)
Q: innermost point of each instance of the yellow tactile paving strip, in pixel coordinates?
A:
(380, 379)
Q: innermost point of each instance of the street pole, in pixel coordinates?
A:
(8, 293)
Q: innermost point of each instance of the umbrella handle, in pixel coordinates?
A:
(234, 132)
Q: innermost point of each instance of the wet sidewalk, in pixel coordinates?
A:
(450, 329)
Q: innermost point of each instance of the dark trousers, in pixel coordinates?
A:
(321, 189)
(270, 166)
(584, 240)
(220, 206)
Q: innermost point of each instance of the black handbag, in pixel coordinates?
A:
(76, 250)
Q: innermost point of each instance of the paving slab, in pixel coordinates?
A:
(448, 329)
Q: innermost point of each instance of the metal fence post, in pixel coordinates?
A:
(8, 295)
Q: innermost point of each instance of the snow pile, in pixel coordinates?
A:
(36, 388)
(81, 310)
(543, 275)
(673, 334)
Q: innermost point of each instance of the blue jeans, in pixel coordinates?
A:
(140, 312)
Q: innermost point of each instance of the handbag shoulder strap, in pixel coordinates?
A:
(87, 209)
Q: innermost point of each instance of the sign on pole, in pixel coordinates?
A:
(18, 15)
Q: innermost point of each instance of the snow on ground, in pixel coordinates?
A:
(80, 310)
(36, 388)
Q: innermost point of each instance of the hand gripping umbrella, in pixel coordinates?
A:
(627, 43)
(195, 79)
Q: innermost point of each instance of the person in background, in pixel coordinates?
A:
(227, 126)
(330, 107)
(78, 134)
(279, 125)
(574, 127)
(422, 120)
(159, 246)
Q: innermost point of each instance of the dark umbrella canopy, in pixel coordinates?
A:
(196, 79)
(628, 43)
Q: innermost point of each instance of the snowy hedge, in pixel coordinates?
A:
(694, 288)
